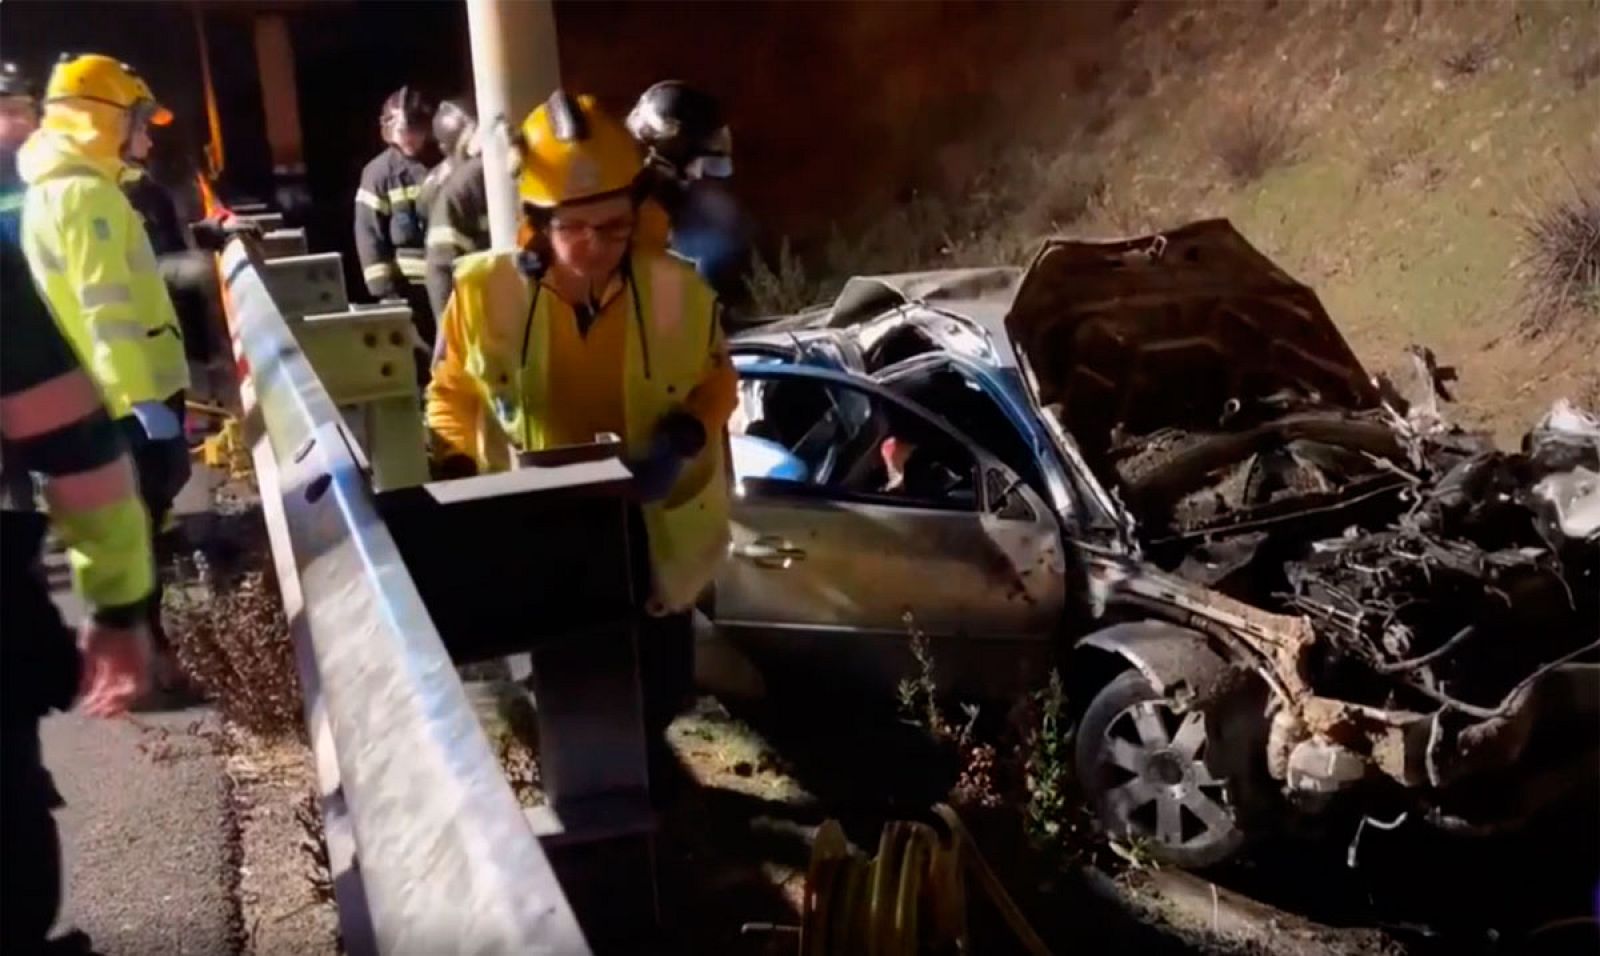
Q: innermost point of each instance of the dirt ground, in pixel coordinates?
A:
(283, 900)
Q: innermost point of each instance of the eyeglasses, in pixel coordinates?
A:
(612, 230)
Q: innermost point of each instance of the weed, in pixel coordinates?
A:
(1561, 258)
(977, 780)
(314, 845)
(1254, 137)
(1049, 759)
(780, 290)
(1470, 59)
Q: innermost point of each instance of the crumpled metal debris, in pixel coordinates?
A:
(1459, 609)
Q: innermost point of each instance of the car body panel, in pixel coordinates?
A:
(812, 566)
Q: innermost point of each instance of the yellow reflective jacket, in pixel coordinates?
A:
(490, 396)
(88, 250)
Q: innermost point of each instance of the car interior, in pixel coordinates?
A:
(853, 445)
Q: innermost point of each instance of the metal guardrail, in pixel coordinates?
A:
(430, 850)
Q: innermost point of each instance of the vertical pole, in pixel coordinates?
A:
(281, 104)
(514, 68)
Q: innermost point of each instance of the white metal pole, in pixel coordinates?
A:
(514, 68)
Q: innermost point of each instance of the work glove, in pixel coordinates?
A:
(159, 422)
(678, 437)
(213, 232)
(188, 270)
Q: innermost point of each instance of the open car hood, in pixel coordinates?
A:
(1181, 330)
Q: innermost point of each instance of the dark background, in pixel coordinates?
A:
(837, 108)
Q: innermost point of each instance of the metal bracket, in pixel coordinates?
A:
(302, 285)
(366, 362)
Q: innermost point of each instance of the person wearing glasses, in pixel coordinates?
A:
(582, 333)
(89, 253)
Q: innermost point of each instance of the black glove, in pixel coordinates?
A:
(678, 437)
(213, 232)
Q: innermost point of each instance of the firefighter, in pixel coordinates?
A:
(53, 421)
(582, 333)
(389, 223)
(454, 200)
(688, 153)
(89, 252)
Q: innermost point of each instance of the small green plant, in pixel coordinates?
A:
(977, 779)
(1048, 776)
(916, 694)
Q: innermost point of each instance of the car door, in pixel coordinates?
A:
(862, 542)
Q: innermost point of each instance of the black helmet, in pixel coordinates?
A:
(14, 82)
(685, 128)
(406, 108)
(454, 124)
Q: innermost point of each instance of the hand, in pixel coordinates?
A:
(655, 474)
(159, 422)
(679, 436)
(115, 668)
(213, 233)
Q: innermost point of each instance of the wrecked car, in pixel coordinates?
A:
(1156, 465)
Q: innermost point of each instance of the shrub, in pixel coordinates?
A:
(1561, 258)
(1254, 137)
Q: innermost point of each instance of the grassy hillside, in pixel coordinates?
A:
(1389, 155)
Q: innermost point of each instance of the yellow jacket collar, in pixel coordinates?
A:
(75, 134)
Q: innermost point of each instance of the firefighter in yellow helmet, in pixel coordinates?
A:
(89, 252)
(581, 333)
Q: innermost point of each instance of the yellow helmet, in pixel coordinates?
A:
(103, 79)
(570, 150)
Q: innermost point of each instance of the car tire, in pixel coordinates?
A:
(1147, 773)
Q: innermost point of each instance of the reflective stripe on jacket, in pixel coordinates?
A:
(458, 225)
(53, 422)
(490, 393)
(89, 252)
(390, 226)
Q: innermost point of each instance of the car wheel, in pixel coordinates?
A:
(1146, 772)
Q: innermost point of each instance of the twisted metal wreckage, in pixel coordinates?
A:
(1446, 643)
(1358, 595)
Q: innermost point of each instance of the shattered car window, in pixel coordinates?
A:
(851, 445)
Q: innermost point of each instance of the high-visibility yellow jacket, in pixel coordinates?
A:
(491, 394)
(53, 422)
(88, 250)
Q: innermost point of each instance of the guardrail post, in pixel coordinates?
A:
(364, 357)
(543, 559)
(441, 856)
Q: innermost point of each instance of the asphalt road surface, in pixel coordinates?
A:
(147, 833)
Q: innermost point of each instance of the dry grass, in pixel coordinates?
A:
(1561, 262)
(1254, 137)
(781, 288)
(226, 623)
